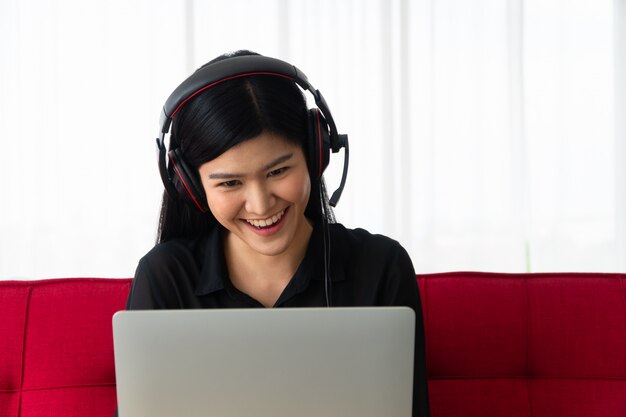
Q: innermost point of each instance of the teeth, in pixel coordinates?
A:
(267, 222)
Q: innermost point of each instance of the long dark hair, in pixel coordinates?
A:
(223, 116)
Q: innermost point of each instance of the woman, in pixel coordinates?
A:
(245, 220)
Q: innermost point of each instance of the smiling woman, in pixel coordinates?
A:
(245, 219)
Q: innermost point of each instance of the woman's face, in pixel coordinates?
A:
(258, 190)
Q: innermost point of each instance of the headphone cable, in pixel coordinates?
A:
(326, 237)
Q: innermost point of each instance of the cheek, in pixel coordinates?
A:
(306, 190)
(222, 206)
(301, 189)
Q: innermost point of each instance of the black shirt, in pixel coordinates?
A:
(365, 270)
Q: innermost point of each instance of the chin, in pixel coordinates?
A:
(269, 249)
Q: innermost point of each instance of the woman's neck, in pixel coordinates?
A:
(263, 276)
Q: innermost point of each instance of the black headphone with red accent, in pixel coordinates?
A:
(323, 137)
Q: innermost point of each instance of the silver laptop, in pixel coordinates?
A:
(337, 362)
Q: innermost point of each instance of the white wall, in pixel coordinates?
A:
(483, 133)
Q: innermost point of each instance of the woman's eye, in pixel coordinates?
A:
(277, 172)
(229, 184)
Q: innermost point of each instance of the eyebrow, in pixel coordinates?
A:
(225, 176)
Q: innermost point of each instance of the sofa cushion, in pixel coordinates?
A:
(57, 346)
(525, 344)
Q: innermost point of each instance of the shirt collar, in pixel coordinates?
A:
(214, 273)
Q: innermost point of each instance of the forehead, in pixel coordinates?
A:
(253, 154)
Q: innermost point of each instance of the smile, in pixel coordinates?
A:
(260, 224)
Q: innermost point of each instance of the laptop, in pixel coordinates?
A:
(305, 362)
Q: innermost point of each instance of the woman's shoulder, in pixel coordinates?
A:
(371, 261)
(359, 241)
(168, 270)
(179, 250)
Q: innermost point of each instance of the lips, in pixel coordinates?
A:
(267, 222)
(269, 226)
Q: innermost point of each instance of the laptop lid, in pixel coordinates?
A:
(336, 362)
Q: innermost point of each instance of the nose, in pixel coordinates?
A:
(259, 199)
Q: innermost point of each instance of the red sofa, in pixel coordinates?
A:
(497, 344)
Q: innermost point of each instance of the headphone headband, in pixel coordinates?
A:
(227, 69)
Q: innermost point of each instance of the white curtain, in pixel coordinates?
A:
(485, 134)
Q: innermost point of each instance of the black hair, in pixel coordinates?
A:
(223, 116)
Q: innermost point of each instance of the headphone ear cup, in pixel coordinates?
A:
(189, 179)
(319, 143)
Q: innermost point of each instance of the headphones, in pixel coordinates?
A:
(322, 131)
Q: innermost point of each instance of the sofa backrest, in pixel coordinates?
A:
(540, 345)
(497, 345)
(56, 347)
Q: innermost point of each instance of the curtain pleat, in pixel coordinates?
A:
(485, 135)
